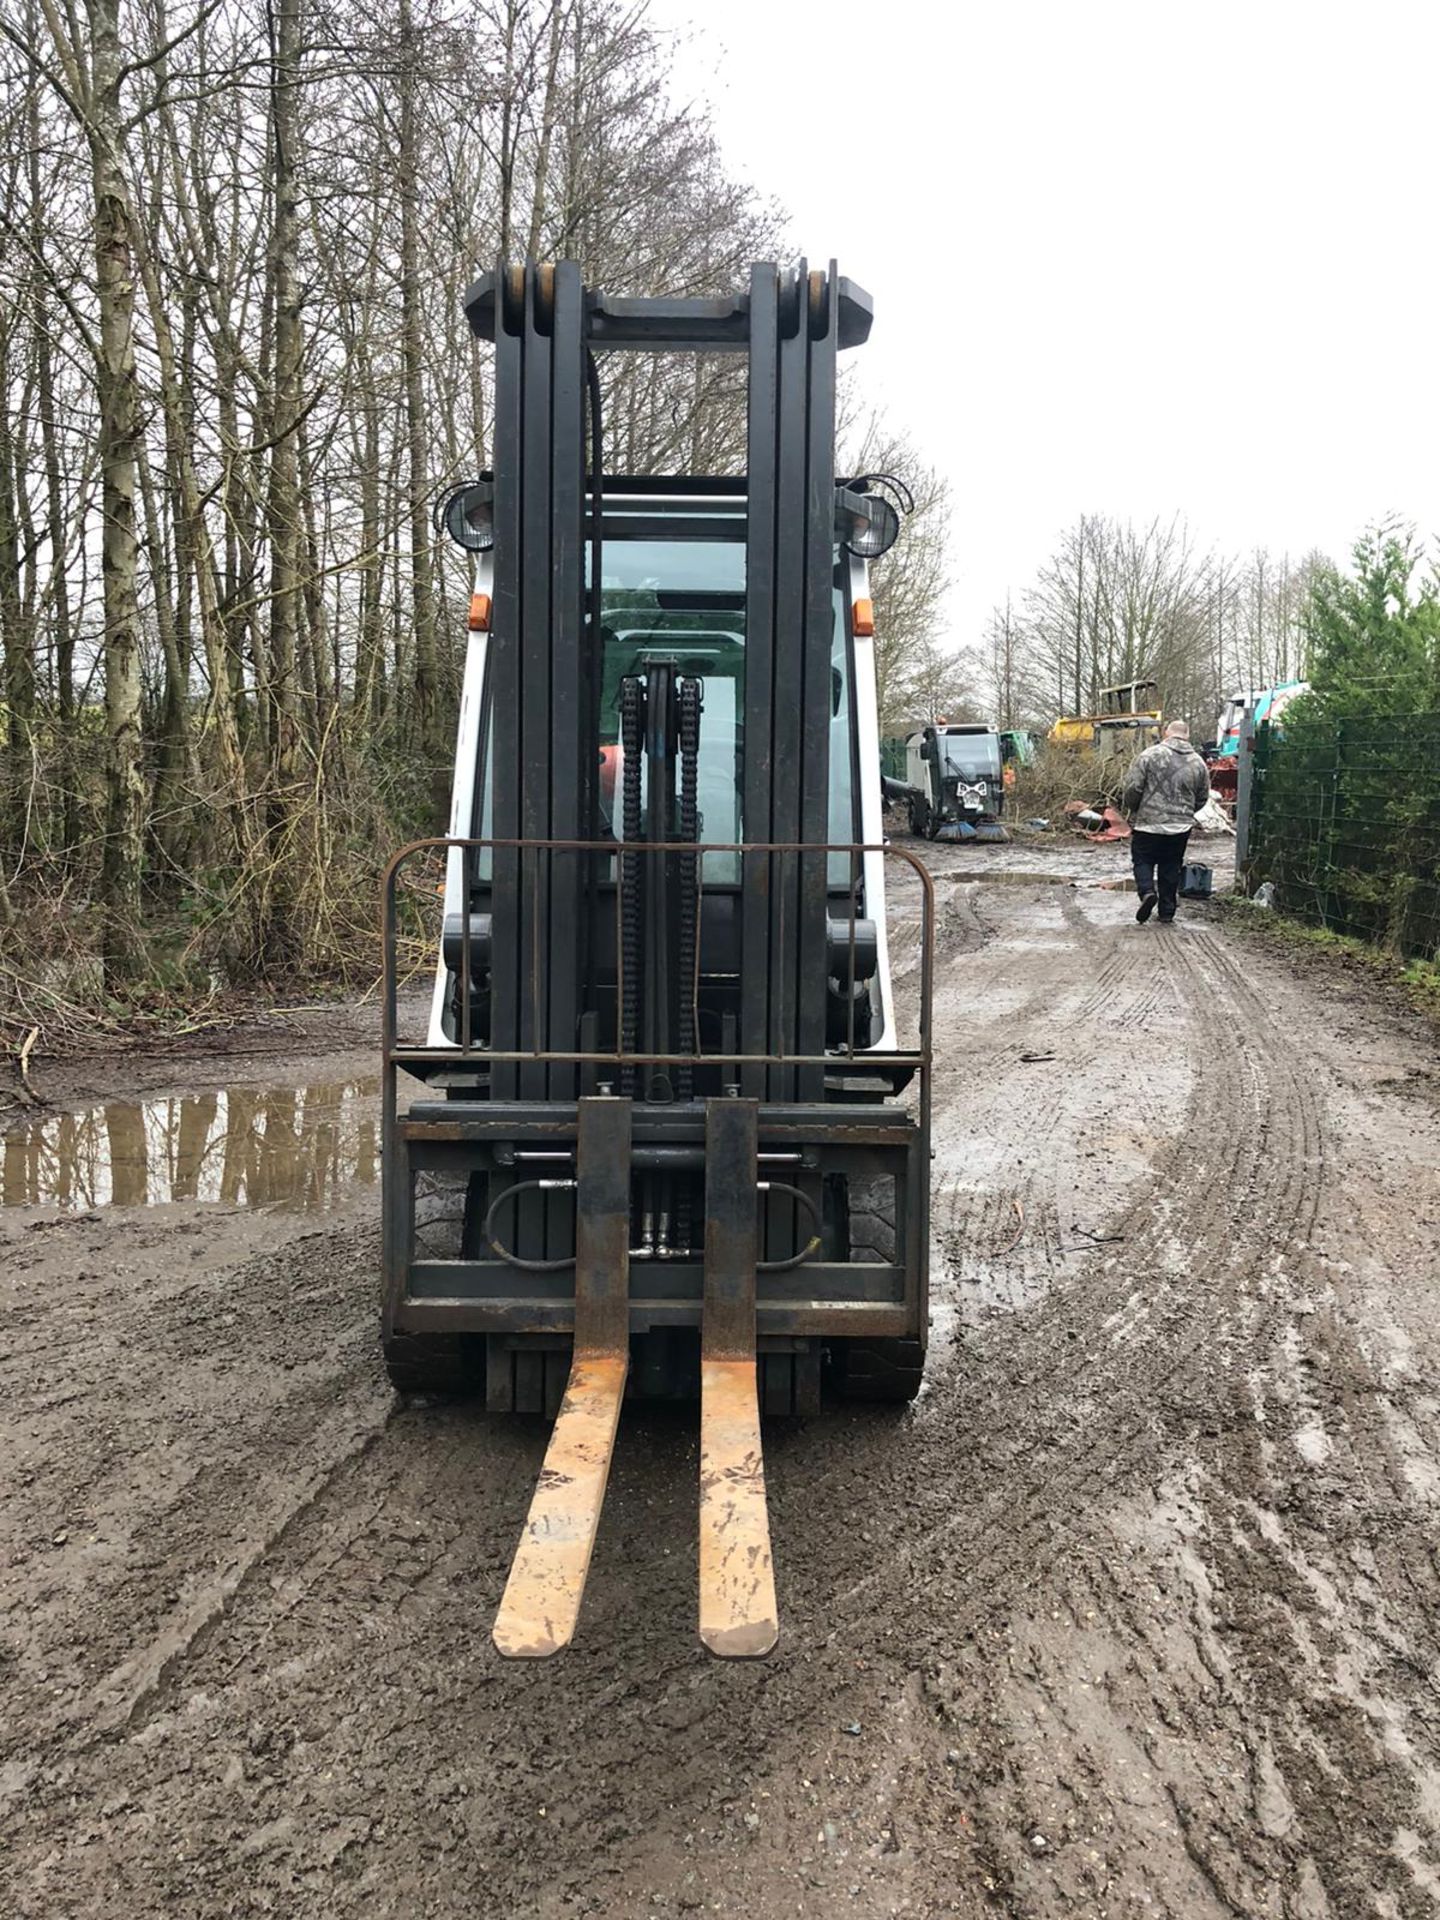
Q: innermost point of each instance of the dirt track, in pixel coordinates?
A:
(1137, 1613)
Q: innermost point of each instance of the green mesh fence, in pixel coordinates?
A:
(892, 757)
(1345, 822)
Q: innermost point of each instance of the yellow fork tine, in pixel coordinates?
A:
(541, 1602)
(738, 1616)
(542, 1597)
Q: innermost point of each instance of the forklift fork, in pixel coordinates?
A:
(737, 1579)
(542, 1597)
(541, 1602)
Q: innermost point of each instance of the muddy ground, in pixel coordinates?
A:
(1135, 1613)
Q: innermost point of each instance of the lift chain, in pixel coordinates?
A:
(691, 697)
(629, 863)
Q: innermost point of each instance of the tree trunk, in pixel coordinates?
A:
(422, 585)
(123, 862)
(16, 638)
(237, 592)
(318, 683)
(56, 528)
(172, 747)
(286, 525)
(370, 644)
(540, 202)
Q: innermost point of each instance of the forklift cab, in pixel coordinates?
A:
(673, 613)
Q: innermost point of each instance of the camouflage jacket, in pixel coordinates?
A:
(1166, 787)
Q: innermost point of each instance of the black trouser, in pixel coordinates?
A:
(1158, 858)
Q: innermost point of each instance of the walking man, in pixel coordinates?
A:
(1164, 790)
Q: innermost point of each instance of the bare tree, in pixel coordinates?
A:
(1117, 603)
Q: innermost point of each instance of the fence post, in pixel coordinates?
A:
(1244, 797)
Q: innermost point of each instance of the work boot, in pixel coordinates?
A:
(1146, 907)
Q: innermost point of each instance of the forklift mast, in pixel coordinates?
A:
(677, 1143)
(544, 730)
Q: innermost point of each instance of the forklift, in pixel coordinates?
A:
(671, 1136)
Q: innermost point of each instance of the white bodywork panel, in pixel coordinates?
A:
(462, 793)
(872, 818)
(917, 773)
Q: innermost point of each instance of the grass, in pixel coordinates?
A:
(1413, 983)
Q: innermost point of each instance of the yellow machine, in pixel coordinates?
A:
(1122, 726)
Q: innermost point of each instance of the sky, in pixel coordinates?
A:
(1127, 259)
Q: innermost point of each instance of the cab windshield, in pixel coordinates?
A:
(970, 756)
(683, 601)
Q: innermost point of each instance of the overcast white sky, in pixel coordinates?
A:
(1125, 258)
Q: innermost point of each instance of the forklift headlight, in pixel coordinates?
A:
(469, 516)
(866, 523)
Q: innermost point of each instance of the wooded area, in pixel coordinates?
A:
(237, 377)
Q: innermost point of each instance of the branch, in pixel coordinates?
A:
(47, 73)
(61, 292)
(163, 53)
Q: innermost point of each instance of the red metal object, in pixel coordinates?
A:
(1225, 777)
(1116, 826)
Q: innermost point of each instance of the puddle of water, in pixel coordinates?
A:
(292, 1147)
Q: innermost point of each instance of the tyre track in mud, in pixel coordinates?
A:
(971, 1231)
(1386, 1621)
(1280, 1198)
(177, 1520)
(1329, 1752)
(1021, 1227)
(1166, 1333)
(1319, 1537)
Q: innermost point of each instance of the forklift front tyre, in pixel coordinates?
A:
(445, 1365)
(883, 1370)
